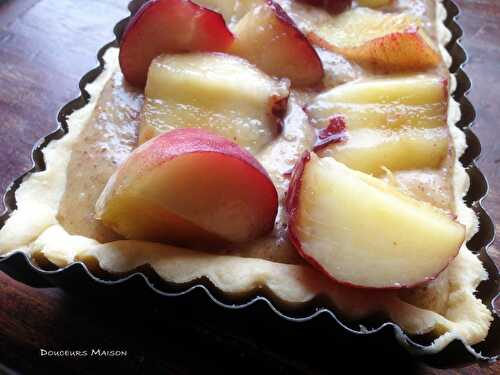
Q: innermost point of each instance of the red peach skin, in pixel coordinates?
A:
(407, 51)
(361, 232)
(162, 26)
(190, 187)
(269, 38)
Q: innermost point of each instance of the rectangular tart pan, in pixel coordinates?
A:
(255, 317)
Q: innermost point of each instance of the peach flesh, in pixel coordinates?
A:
(371, 253)
(161, 26)
(270, 39)
(202, 186)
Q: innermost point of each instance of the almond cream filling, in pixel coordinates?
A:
(446, 307)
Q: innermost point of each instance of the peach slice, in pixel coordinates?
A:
(391, 103)
(189, 187)
(369, 150)
(231, 10)
(382, 42)
(332, 6)
(397, 123)
(269, 38)
(410, 50)
(374, 3)
(221, 93)
(362, 232)
(169, 26)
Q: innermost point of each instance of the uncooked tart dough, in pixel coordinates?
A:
(49, 229)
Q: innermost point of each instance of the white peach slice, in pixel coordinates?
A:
(231, 10)
(389, 103)
(397, 123)
(332, 6)
(189, 187)
(269, 38)
(407, 51)
(362, 232)
(374, 3)
(161, 26)
(369, 150)
(221, 93)
(382, 42)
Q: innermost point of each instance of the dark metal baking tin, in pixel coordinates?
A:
(315, 317)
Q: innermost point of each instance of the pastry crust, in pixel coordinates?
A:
(447, 306)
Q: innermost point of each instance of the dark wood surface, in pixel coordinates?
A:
(45, 48)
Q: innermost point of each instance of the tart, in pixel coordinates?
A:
(309, 148)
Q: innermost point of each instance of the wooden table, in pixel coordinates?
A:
(45, 47)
